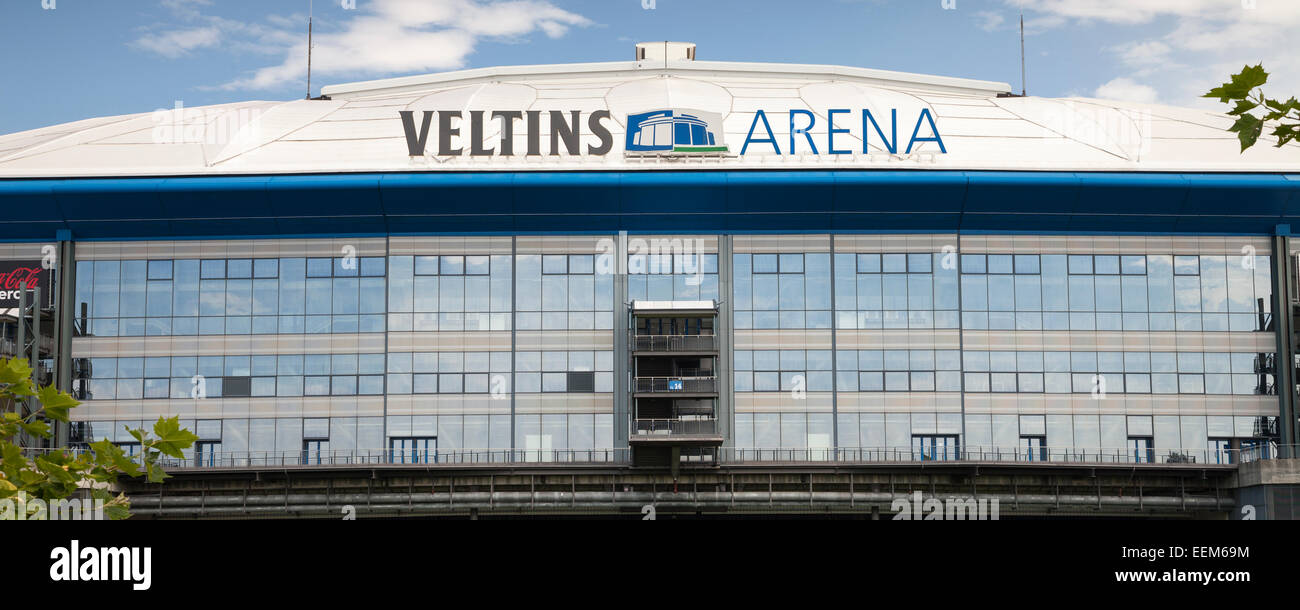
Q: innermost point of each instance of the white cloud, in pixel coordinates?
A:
(186, 8)
(1205, 42)
(1127, 90)
(190, 29)
(1146, 54)
(179, 42)
(380, 37)
(1144, 11)
(989, 20)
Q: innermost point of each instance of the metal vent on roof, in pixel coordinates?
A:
(665, 51)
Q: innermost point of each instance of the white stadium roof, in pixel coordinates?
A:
(358, 128)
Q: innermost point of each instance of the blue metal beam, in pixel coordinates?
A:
(651, 201)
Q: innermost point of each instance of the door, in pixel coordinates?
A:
(417, 450)
(927, 447)
(313, 449)
(537, 448)
(1222, 450)
(1142, 449)
(205, 453)
(1033, 448)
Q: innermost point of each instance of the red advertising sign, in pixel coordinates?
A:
(14, 273)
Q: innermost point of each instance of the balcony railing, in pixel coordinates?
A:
(668, 385)
(674, 343)
(1047, 455)
(675, 426)
(363, 457)
(1198, 457)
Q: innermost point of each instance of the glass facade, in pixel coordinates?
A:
(457, 345)
(990, 344)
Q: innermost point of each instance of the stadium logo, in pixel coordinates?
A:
(675, 131)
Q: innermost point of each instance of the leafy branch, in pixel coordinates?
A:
(58, 473)
(1253, 109)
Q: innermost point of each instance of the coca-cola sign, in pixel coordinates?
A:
(14, 273)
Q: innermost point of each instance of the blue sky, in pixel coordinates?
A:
(75, 59)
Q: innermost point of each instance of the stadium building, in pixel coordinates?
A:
(614, 279)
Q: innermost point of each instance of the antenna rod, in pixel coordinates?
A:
(1024, 87)
(310, 8)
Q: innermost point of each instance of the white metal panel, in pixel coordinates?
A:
(970, 111)
(346, 130)
(359, 130)
(275, 122)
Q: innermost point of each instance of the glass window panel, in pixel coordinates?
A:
(1027, 263)
(451, 265)
(1000, 263)
(1133, 265)
(973, 263)
(1107, 265)
(1187, 265)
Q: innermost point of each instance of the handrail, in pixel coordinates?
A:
(392, 456)
(670, 343)
(453, 457)
(676, 384)
(695, 425)
(1050, 455)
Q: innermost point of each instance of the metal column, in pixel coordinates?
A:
(1283, 273)
(835, 364)
(725, 334)
(65, 294)
(622, 352)
(27, 346)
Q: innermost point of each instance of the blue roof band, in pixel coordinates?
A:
(670, 201)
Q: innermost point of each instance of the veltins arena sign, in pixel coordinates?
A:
(661, 131)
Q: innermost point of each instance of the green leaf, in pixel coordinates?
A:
(117, 512)
(172, 439)
(30, 477)
(156, 473)
(16, 376)
(36, 428)
(112, 455)
(137, 433)
(1241, 84)
(53, 468)
(15, 370)
(1248, 128)
(1283, 107)
(1243, 106)
(115, 508)
(11, 455)
(21, 389)
(56, 403)
(1286, 134)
